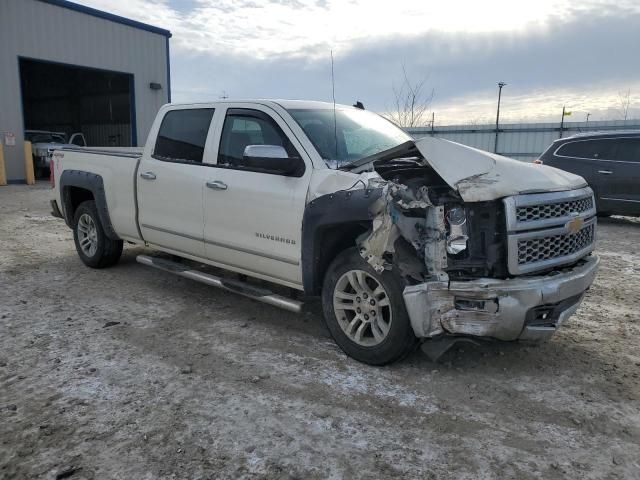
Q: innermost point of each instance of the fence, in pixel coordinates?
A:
(522, 141)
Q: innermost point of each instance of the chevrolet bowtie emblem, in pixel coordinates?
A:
(574, 226)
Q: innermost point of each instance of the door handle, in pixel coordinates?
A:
(217, 185)
(605, 172)
(148, 175)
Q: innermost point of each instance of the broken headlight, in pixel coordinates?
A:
(457, 237)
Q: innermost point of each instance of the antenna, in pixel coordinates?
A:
(333, 92)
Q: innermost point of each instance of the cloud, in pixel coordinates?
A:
(267, 28)
(550, 52)
(601, 102)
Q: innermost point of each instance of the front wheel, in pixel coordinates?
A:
(94, 248)
(365, 312)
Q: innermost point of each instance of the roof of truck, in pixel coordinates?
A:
(287, 104)
(306, 104)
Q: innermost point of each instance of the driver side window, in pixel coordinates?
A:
(244, 127)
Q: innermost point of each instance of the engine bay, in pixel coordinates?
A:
(423, 227)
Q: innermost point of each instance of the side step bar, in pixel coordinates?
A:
(260, 294)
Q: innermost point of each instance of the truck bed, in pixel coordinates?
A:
(117, 166)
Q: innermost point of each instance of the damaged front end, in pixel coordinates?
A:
(454, 249)
(402, 217)
(422, 233)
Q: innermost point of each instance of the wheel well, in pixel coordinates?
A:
(334, 240)
(75, 196)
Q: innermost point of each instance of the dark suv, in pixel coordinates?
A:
(608, 161)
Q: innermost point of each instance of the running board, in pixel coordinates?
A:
(260, 294)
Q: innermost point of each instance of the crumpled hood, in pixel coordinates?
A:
(481, 176)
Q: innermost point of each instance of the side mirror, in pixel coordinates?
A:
(272, 159)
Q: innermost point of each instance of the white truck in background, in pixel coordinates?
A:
(43, 143)
(406, 241)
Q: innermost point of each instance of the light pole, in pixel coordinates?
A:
(500, 85)
(565, 113)
(587, 122)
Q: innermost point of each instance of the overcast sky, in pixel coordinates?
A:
(582, 54)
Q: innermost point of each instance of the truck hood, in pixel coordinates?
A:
(482, 176)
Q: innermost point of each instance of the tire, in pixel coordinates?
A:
(374, 338)
(94, 248)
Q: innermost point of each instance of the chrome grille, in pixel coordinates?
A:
(545, 248)
(541, 229)
(532, 213)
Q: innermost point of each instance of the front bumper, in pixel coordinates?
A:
(526, 308)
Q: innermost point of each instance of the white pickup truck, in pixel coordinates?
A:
(406, 241)
(43, 143)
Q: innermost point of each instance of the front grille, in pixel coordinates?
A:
(532, 213)
(534, 250)
(540, 233)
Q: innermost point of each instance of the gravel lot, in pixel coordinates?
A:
(133, 373)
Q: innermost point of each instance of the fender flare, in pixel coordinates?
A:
(93, 183)
(337, 209)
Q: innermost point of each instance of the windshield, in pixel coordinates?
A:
(355, 134)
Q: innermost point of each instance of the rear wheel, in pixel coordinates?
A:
(365, 312)
(94, 248)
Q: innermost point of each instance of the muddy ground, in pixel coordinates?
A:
(130, 373)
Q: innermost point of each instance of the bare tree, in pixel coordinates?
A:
(411, 102)
(625, 101)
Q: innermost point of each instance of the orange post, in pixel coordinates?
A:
(28, 164)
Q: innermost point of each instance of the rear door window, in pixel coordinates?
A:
(582, 149)
(606, 148)
(183, 134)
(603, 149)
(628, 150)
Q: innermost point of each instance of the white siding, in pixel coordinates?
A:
(30, 28)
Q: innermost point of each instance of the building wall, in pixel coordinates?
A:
(38, 30)
(522, 141)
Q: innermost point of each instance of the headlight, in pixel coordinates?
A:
(457, 238)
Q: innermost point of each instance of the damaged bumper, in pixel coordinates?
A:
(526, 308)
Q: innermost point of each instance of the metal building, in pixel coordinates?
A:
(522, 141)
(68, 68)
